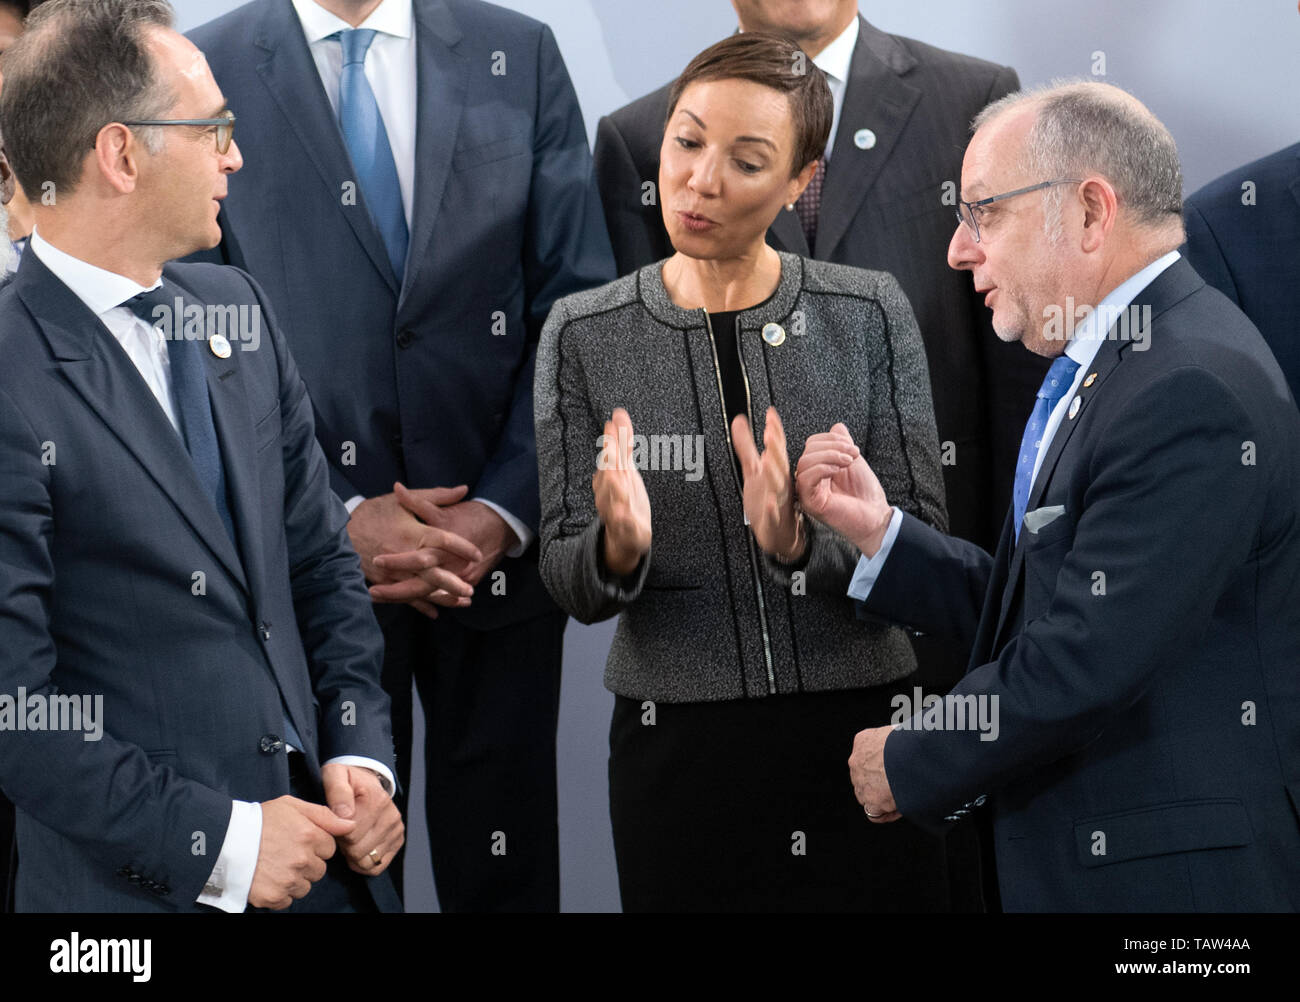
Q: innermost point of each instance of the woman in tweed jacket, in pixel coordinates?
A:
(740, 676)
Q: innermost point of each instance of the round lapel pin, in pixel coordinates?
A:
(1075, 404)
(219, 345)
(1092, 378)
(773, 334)
(864, 139)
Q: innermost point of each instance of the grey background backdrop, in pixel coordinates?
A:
(1215, 71)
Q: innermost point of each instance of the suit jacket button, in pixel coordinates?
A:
(405, 338)
(270, 744)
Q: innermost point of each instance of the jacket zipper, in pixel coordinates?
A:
(731, 455)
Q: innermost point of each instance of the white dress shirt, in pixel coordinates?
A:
(103, 293)
(835, 61)
(391, 71)
(1083, 347)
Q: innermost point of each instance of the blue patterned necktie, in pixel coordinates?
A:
(367, 142)
(1057, 382)
(194, 410)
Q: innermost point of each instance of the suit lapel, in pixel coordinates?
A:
(874, 99)
(1107, 358)
(101, 372)
(1171, 286)
(293, 82)
(442, 82)
(786, 233)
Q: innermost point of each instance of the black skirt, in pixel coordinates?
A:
(746, 805)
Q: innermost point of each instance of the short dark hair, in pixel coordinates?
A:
(774, 62)
(79, 65)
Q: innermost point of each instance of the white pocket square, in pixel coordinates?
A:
(1041, 517)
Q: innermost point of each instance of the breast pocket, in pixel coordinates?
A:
(266, 432)
(485, 153)
(1045, 553)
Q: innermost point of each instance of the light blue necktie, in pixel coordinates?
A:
(1057, 382)
(367, 142)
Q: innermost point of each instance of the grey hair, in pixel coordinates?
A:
(80, 65)
(1089, 127)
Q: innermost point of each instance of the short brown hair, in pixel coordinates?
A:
(79, 65)
(774, 62)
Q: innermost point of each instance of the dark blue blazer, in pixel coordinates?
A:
(425, 377)
(1143, 646)
(1251, 253)
(103, 528)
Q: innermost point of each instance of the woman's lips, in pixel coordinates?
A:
(695, 223)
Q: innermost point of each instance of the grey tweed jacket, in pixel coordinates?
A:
(706, 615)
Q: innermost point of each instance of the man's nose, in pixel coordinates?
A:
(232, 160)
(963, 251)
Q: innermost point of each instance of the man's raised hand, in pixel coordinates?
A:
(837, 487)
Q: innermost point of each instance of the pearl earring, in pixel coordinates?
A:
(789, 207)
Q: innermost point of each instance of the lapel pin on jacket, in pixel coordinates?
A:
(774, 334)
(864, 139)
(1092, 378)
(219, 345)
(1075, 404)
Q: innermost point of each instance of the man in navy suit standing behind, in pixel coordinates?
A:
(189, 666)
(418, 193)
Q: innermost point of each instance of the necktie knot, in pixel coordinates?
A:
(145, 304)
(1058, 378)
(356, 43)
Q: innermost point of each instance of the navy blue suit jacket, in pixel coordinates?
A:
(104, 526)
(425, 378)
(1143, 646)
(1251, 252)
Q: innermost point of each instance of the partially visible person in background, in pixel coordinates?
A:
(1243, 236)
(740, 677)
(8, 183)
(18, 217)
(16, 220)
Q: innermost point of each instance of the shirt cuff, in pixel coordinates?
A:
(385, 775)
(351, 503)
(231, 880)
(865, 574)
(524, 533)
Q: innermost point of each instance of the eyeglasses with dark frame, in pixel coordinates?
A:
(223, 123)
(966, 210)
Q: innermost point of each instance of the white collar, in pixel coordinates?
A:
(836, 59)
(100, 290)
(391, 17)
(1090, 333)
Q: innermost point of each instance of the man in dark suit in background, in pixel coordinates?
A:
(189, 665)
(1134, 639)
(7, 187)
(884, 200)
(1243, 236)
(418, 193)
